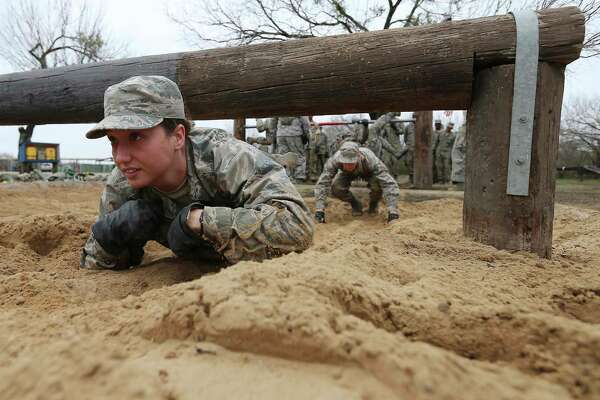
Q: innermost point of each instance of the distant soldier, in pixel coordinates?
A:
(459, 151)
(443, 153)
(439, 128)
(357, 132)
(317, 151)
(391, 146)
(377, 141)
(409, 146)
(352, 162)
(269, 126)
(292, 134)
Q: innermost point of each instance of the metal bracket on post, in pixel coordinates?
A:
(523, 108)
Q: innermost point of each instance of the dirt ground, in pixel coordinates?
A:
(412, 310)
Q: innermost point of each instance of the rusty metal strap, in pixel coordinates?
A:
(523, 109)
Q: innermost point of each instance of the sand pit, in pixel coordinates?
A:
(371, 311)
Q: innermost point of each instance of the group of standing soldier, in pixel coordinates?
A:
(313, 145)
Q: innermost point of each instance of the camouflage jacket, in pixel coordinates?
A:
(292, 126)
(317, 141)
(252, 211)
(378, 141)
(445, 142)
(368, 167)
(435, 137)
(409, 136)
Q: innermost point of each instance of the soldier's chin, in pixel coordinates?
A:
(138, 182)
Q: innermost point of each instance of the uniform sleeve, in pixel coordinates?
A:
(116, 192)
(323, 185)
(388, 184)
(271, 217)
(305, 125)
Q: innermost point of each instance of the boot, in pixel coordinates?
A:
(373, 207)
(356, 207)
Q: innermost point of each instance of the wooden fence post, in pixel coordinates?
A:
(239, 128)
(490, 215)
(423, 160)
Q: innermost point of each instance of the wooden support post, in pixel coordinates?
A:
(239, 128)
(423, 160)
(490, 215)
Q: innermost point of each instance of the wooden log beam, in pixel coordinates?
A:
(239, 129)
(420, 68)
(423, 158)
(490, 215)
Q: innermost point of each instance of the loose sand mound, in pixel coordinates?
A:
(411, 310)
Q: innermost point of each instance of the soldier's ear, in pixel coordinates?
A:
(179, 136)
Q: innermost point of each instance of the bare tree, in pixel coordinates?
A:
(581, 125)
(590, 8)
(39, 35)
(251, 21)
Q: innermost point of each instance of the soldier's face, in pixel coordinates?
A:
(349, 167)
(145, 156)
(438, 126)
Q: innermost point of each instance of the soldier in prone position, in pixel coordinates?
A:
(349, 163)
(202, 193)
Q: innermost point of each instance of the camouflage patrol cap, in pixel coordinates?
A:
(349, 153)
(140, 102)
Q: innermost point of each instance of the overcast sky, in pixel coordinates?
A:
(144, 26)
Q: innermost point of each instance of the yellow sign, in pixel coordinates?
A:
(31, 153)
(50, 153)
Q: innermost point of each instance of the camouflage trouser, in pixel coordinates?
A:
(390, 162)
(340, 188)
(316, 162)
(443, 165)
(293, 144)
(409, 162)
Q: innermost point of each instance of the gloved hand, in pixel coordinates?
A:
(128, 227)
(320, 217)
(182, 240)
(392, 216)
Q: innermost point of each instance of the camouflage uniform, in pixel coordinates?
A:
(269, 126)
(370, 168)
(443, 155)
(251, 209)
(291, 135)
(409, 143)
(459, 151)
(378, 141)
(434, 142)
(317, 151)
(338, 135)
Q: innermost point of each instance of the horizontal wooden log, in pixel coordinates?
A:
(421, 68)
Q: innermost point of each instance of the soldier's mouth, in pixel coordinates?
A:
(130, 172)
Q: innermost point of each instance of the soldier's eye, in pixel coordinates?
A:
(136, 137)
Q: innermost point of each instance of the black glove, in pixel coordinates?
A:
(128, 227)
(392, 216)
(182, 240)
(320, 217)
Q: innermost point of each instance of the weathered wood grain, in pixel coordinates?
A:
(421, 68)
(490, 215)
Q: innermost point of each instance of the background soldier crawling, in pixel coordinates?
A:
(352, 162)
(204, 194)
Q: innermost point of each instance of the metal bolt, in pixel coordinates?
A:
(518, 161)
(523, 120)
